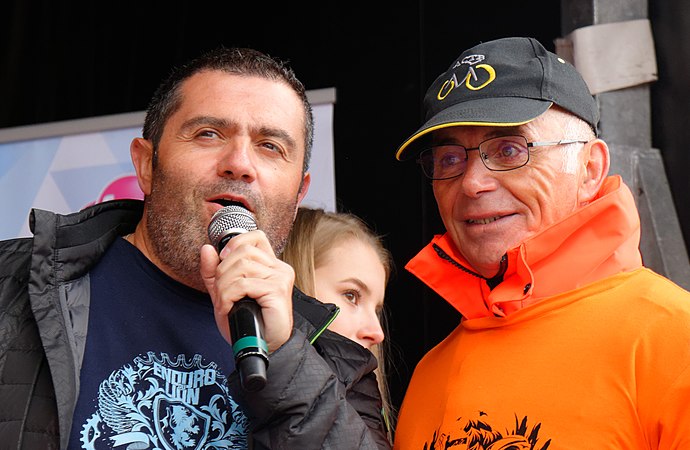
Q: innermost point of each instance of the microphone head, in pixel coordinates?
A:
(229, 221)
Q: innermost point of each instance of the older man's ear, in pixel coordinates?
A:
(596, 160)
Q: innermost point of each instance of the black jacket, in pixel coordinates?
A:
(318, 395)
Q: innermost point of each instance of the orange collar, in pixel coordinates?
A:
(596, 241)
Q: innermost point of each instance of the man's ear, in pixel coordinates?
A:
(597, 161)
(141, 152)
(304, 187)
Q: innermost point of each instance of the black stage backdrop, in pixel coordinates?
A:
(62, 60)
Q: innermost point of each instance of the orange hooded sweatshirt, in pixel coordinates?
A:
(579, 346)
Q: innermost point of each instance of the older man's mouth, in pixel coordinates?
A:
(483, 221)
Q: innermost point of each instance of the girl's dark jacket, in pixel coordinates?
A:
(318, 395)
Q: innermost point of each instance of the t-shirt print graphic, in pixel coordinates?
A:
(480, 435)
(159, 402)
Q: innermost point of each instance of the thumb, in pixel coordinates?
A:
(209, 261)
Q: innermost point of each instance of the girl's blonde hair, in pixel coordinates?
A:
(315, 232)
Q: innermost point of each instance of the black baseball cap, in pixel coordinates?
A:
(504, 82)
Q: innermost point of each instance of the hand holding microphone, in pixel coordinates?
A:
(245, 319)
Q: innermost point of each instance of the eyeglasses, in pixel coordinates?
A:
(500, 154)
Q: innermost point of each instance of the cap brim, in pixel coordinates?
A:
(498, 112)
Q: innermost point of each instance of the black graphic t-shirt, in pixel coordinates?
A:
(155, 367)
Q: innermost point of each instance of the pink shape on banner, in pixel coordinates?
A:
(122, 187)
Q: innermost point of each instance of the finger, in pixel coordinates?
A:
(256, 239)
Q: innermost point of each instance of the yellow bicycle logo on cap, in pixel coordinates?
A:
(471, 76)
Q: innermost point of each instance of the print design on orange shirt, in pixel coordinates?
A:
(478, 434)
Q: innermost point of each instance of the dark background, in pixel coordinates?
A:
(73, 60)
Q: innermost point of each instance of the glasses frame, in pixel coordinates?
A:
(484, 156)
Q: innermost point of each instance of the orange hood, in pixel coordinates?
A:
(596, 241)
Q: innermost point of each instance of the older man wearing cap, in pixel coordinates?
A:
(566, 339)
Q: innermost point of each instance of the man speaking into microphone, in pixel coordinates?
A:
(112, 337)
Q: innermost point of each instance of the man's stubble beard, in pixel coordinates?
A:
(176, 235)
(177, 229)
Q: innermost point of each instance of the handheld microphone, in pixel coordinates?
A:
(246, 322)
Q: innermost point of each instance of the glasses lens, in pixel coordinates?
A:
(505, 153)
(443, 161)
(426, 160)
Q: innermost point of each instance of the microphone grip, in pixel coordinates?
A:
(248, 344)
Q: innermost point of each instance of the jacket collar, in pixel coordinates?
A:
(312, 316)
(598, 240)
